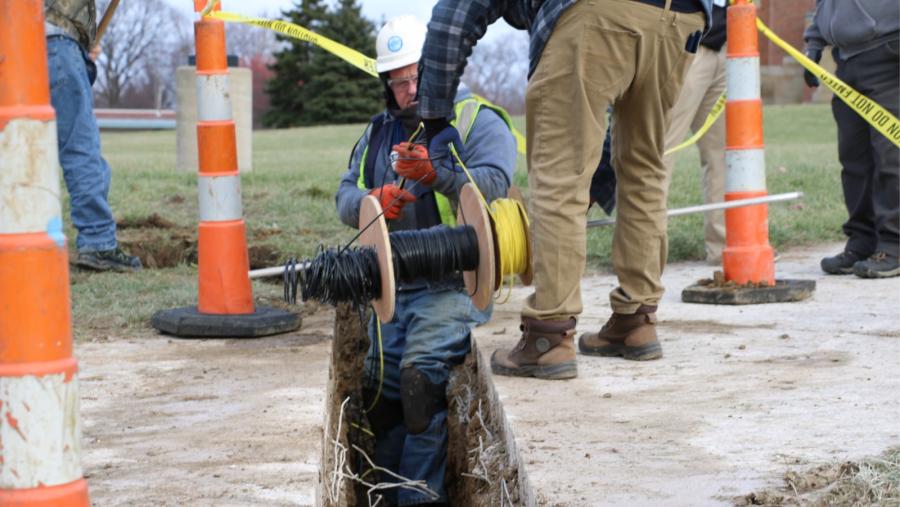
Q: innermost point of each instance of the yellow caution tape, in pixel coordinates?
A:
(711, 118)
(349, 55)
(877, 116)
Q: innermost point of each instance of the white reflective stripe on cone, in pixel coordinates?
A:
(745, 170)
(220, 198)
(40, 431)
(29, 177)
(742, 76)
(213, 99)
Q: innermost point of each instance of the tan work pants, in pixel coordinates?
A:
(602, 52)
(703, 85)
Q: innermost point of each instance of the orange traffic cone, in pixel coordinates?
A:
(40, 432)
(747, 256)
(748, 259)
(225, 305)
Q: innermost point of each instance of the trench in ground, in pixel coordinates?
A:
(483, 467)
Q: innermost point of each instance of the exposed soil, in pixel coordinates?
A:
(344, 416)
(153, 221)
(482, 471)
(160, 247)
(160, 243)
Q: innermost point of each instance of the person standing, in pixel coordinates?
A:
(865, 41)
(432, 321)
(71, 29)
(703, 85)
(585, 56)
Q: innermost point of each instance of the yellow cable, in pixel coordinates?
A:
(364, 430)
(510, 221)
(380, 365)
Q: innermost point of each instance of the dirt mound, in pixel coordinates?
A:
(153, 221)
(160, 243)
(874, 481)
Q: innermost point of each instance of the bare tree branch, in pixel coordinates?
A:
(498, 71)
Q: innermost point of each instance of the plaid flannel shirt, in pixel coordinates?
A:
(457, 25)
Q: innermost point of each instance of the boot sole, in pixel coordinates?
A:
(868, 273)
(561, 371)
(105, 266)
(839, 271)
(647, 352)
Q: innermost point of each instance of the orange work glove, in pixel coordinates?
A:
(414, 163)
(392, 199)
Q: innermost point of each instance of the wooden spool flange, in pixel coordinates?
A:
(377, 236)
(479, 283)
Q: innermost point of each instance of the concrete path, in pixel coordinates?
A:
(742, 395)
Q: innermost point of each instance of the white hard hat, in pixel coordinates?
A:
(399, 43)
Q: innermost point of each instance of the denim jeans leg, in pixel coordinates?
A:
(425, 458)
(86, 173)
(437, 338)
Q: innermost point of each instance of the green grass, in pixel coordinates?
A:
(801, 155)
(289, 204)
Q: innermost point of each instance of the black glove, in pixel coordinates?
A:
(811, 80)
(440, 135)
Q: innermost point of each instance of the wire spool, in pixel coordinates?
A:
(479, 283)
(491, 245)
(376, 236)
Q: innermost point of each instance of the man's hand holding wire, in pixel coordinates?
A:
(413, 163)
(392, 199)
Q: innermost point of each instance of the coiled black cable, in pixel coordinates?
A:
(339, 276)
(434, 253)
(352, 275)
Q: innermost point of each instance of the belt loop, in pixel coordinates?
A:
(666, 9)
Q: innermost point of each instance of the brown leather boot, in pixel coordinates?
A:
(632, 336)
(546, 350)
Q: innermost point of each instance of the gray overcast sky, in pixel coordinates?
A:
(372, 9)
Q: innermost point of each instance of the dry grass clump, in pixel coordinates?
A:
(873, 481)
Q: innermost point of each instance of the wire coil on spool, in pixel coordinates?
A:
(491, 245)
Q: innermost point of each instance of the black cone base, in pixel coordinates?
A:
(784, 291)
(187, 322)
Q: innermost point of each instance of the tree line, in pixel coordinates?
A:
(295, 83)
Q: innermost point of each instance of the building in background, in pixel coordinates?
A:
(782, 76)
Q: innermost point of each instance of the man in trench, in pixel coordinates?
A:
(585, 56)
(430, 331)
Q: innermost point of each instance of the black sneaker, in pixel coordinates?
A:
(880, 265)
(108, 260)
(841, 264)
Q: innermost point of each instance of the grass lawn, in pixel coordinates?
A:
(289, 205)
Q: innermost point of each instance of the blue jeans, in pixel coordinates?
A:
(87, 175)
(430, 331)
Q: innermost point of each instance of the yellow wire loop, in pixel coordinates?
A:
(510, 223)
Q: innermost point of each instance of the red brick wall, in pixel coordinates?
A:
(787, 18)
